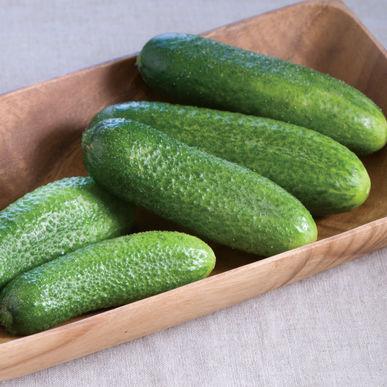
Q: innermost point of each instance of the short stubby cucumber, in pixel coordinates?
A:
(217, 199)
(323, 174)
(55, 219)
(201, 71)
(102, 275)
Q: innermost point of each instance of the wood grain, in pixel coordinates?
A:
(40, 142)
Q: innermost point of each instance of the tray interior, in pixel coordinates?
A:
(42, 125)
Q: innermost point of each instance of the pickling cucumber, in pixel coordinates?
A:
(200, 71)
(55, 219)
(220, 200)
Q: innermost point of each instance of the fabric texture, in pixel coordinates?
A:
(329, 330)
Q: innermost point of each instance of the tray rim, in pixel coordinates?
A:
(237, 270)
(73, 334)
(338, 4)
(11, 347)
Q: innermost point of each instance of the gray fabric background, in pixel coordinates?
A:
(329, 330)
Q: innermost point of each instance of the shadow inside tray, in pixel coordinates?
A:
(375, 206)
(227, 258)
(124, 83)
(51, 157)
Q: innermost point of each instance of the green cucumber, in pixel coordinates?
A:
(55, 219)
(323, 174)
(200, 71)
(217, 199)
(102, 275)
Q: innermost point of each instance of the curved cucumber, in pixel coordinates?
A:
(55, 219)
(323, 174)
(109, 273)
(200, 71)
(218, 199)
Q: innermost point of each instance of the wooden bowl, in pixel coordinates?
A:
(40, 142)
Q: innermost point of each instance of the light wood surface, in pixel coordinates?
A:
(39, 142)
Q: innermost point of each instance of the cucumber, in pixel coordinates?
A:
(102, 275)
(55, 219)
(323, 174)
(217, 199)
(200, 71)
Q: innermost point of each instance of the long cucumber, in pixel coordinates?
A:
(217, 199)
(200, 71)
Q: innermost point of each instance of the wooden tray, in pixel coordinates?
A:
(40, 141)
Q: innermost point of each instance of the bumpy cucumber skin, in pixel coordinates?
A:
(106, 274)
(217, 199)
(323, 174)
(55, 219)
(200, 71)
